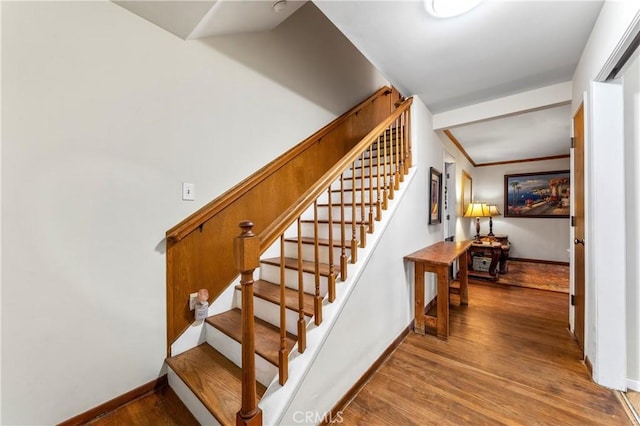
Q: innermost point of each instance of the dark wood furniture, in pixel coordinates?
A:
(506, 246)
(485, 250)
(437, 258)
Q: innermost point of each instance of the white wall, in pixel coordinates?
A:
(381, 305)
(531, 238)
(104, 115)
(465, 226)
(631, 84)
(615, 22)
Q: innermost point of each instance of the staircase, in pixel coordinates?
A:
(297, 277)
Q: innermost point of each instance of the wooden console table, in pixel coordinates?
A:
(438, 258)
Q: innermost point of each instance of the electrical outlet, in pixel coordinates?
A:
(193, 298)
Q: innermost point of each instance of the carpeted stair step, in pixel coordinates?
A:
(213, 379)
(267, 336)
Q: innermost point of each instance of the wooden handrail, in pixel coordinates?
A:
(210, 209)
(272, 232)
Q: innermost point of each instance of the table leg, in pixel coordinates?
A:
(443, 302)
(418, 323)
(464, 279)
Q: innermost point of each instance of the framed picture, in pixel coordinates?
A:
(467, 191)
(544, 194)
(435, 193)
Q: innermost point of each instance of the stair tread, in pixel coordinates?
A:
(216, 381)
(375, 175)
(321, 241)
(271, 292)
(267, 336)
(336, 221)
(366, 189)
(358, 204)
(292, 263)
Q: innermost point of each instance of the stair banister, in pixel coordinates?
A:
(293, 215)
(199, 249)
(246, 256)
(272, 232)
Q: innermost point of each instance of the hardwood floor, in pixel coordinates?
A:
(509, 360)
(162, 408)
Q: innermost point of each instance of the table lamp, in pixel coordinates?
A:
(477, 209)
(493, 211)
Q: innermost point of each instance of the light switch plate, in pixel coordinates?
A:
(188, 191)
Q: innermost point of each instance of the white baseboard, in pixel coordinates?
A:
(633, 385)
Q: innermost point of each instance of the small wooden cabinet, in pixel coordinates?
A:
(483, 260)
(505, 247)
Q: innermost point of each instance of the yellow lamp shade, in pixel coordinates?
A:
(477, 209)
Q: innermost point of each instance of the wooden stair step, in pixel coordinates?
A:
(270, 292)
(367, 204)
(366, 189)
(375, 175)
(213, 379)
(267, 336)
(336, 221)
(321, 241)
(292, 263)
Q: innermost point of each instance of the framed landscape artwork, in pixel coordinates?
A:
(435, 192)
(543, 194)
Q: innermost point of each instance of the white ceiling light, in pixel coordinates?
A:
(449, 8)
(279, 6)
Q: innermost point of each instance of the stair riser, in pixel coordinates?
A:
(270, 313)
(374, 160)
(199, 411)
(349, 183)
(272, 274)
(336, 213)
(358, 171)
(348, 197)
(265, 371)
(323, 231)
(308, 252)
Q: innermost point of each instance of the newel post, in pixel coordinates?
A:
(246, 254)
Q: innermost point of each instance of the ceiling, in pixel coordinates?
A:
(499, 49)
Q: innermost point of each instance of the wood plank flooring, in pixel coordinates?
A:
(162, 408)
(509, 360)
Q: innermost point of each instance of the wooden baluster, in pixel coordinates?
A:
(246, 255)
(396, 149)
(354, 216)
(302, 325)
(283, 354)
(317, 300)
(343, 254)
(408, 133)
(385, 186)
(378, 200)
(363, 229)
(332, 268)
(401, 150)
(370, 230)
(392, 171)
